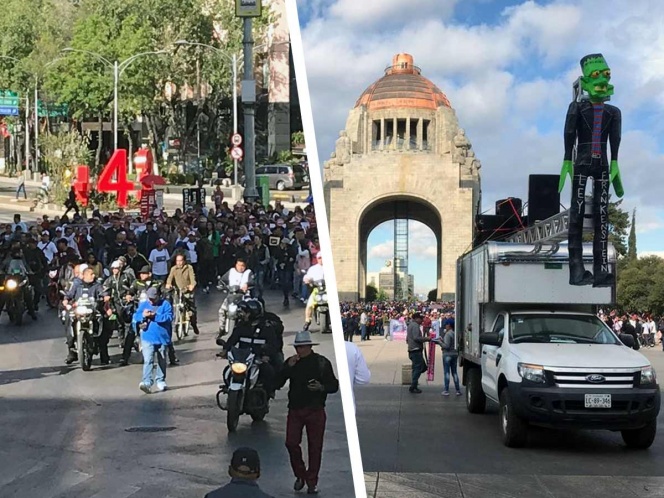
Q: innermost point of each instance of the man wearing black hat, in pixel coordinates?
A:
(311, 379)
(245, 470)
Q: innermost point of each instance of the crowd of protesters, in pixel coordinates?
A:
(372, 319)
(645, 328)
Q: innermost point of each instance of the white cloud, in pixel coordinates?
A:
(659, 254)
(389, 12)
(510, 82)
(384, 250)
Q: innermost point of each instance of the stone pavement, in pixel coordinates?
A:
(73, 434)
(428, 446)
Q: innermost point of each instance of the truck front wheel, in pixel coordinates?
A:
(641, 438)
(475, 398)
(515, 430)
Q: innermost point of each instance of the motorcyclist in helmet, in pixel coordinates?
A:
(252, 331)
(15, 261)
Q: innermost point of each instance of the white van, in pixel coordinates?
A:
(533, 344)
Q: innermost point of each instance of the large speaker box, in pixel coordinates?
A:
(491, 227)
(543, 197)
(512, 209)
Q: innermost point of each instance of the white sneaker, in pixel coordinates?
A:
(161, 387)
(445, 393)
(144, 387)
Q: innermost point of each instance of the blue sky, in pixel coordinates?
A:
(507, 68)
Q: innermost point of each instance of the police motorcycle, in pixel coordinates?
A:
(13, 288)
(241, 386)
(321, 307)
(234, 296)
(83, 314)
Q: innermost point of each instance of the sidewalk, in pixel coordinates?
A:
(172, 201)
(385, 360)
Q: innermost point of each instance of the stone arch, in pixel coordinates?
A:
(389, 207)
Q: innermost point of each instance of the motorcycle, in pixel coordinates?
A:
(13, 287)
(322, 309)
(234, 296)
(83, 314)
(54, 291)
(245, 393)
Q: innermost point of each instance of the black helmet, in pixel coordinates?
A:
(250, 310)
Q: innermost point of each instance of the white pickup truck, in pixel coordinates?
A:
(532, 343)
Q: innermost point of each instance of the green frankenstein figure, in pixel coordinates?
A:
(589, 125)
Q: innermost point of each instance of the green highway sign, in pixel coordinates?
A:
(8, 103)
(52, 110)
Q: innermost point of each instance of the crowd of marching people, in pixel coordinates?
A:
(191, 248)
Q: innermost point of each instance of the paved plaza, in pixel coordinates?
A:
(429, 446)
(71, 434)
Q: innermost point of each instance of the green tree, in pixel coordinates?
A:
(63, 151)
(382, 296)
(631, 245)
(433, 295)
(640, 285)
(371, 293)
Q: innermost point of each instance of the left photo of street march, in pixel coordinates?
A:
(164, 328)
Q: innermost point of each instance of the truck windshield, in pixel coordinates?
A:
(560, 329)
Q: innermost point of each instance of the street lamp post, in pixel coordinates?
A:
(118, 69)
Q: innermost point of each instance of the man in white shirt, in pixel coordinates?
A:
(239, 276)
(18, 222)
(159, 260)
(313, 275)
(357, 367)
(47, 246)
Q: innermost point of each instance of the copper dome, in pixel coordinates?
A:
(403, 86)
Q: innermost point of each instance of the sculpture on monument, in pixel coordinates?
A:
(461, 147)
(589, 125)
(343, 148)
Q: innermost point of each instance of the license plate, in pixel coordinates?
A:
(323, 307)
(598, 401)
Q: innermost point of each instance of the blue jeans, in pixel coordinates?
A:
(363, 332)
(450, 365)
(304, 291)
(417, 360)
(21, 188)
(148, 362)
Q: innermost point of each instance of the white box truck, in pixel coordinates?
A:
(532, 343)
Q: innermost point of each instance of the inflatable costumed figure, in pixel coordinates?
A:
(589, 125)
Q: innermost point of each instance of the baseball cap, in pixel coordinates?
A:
(152, 293)
(145, 269)
(246, 461)
(116, 264)
(46, 232)
(161, 241)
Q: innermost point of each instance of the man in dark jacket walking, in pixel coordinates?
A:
(416, 342)
(311, 380)
(245, 470)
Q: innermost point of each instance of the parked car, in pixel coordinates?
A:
(282, 176)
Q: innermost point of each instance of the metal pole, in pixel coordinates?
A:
(36, 129)
(235, 112)
(115, 108)
(249, 101)
(27, 131)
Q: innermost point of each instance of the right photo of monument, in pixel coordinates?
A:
(492, 176)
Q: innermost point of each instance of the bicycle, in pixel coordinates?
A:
(181, 315)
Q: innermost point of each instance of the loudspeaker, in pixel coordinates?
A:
(507, 208)
(543, 197)
(491, 227)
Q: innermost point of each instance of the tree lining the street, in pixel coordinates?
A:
(35, 32)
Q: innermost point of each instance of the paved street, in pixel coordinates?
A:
(430, 446)
(68, 433)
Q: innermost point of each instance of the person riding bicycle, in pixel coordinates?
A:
(95, 291)
(136, 294)
(253, 332)
(239, 277)
(184, 278)
(313, 275)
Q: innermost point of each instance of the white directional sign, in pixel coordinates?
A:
(237, 153)
(236, 139)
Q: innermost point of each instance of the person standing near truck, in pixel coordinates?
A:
(415, 341)
(450, 357)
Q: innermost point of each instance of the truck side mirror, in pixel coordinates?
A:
(627, 340)
(490, 339)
